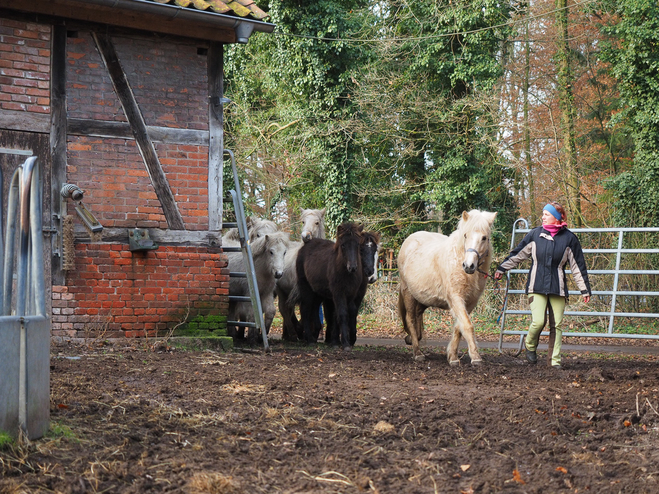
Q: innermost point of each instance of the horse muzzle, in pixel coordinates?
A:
(306, 236)
(278, 274)
(469, 268)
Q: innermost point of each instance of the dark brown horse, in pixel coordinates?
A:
(333, 271)
(368, 251)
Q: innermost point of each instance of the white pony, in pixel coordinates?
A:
(445, 272)
(256, 228)
(313, 226)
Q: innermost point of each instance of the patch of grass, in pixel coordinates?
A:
(6, 441)
(58, 430)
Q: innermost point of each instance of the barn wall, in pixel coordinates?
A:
(24, 66)
(114, 292)
(118, 293)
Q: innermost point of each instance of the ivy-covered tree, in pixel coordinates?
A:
(427, 115)
(634, 58)
(291, 93)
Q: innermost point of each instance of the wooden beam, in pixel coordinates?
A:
(160, 236)
(215, 61)
(138, 127)
(25, 121)
(111, 129)
(58, 130)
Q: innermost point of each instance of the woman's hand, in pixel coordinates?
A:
(498, 275)
(586, 298)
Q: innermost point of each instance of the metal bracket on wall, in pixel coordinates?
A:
(139, 241)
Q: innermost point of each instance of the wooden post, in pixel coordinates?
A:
(58, 133)
(216, 134)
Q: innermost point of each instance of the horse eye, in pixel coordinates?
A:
(484, 238)
(272, 252)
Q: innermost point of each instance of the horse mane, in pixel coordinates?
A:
(471, 221)
(320, 214)
(372, 236)
(348, 229)
(260, 244)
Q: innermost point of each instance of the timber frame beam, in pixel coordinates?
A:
(138, 127)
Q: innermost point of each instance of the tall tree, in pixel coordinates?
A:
(568, 114)
(427, 111)
(291, 93)
(635, 60)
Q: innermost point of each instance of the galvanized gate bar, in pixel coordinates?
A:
(614, 292)
(248, 260)
(25, 330)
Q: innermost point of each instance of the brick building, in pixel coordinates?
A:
(122, 99)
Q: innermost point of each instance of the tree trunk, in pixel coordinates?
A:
(527, 129)
(566, 104)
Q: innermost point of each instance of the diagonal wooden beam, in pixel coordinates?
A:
(138, 127)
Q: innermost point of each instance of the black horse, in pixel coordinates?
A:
(369, 253)
(333, 271)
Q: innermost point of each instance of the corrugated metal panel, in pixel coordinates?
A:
(241, 8)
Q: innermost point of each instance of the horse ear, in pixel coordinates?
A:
(465, 215)
(322, 212)
(493, 217)
(360, 228)
(249, 221)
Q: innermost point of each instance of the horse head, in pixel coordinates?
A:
(272, 247)
(348, 242)
(258, 227)
(313, 224)
(476, 228)
(369, 253)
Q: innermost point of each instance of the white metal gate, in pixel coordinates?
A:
(615, 291)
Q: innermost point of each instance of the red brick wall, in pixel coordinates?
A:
(114, 292)
(24, 66)
(169, 81)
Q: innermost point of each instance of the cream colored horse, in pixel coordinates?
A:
(445, 272)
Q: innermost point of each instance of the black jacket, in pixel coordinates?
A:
(549, 257)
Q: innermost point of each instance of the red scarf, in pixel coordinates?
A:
(555, 228)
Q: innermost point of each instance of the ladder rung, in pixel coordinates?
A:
(239, 298)
(237, 274)
(231, 249)
(229, 224)
(241, 323)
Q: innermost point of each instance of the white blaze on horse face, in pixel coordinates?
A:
(374, 277)
(476, 246)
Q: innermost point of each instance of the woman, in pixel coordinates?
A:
(550, 247)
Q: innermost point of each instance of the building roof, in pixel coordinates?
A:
(242, 8)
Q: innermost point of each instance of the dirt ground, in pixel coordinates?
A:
(315, 419)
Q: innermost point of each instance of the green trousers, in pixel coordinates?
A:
(545, 307)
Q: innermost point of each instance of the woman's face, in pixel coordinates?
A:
(548, 218)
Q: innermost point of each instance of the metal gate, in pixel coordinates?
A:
(24, 324)
(601, 295)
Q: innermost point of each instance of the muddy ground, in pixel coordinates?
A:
(313, 419)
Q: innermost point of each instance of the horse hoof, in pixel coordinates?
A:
(347, 348)
(477, 362)
(408, 340)
(420, 358)
(454, 363)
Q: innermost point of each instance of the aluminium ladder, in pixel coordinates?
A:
(248, 261)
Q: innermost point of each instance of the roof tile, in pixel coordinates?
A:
(242, 8)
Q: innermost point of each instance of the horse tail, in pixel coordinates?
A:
(293, 297)
(402, 311)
